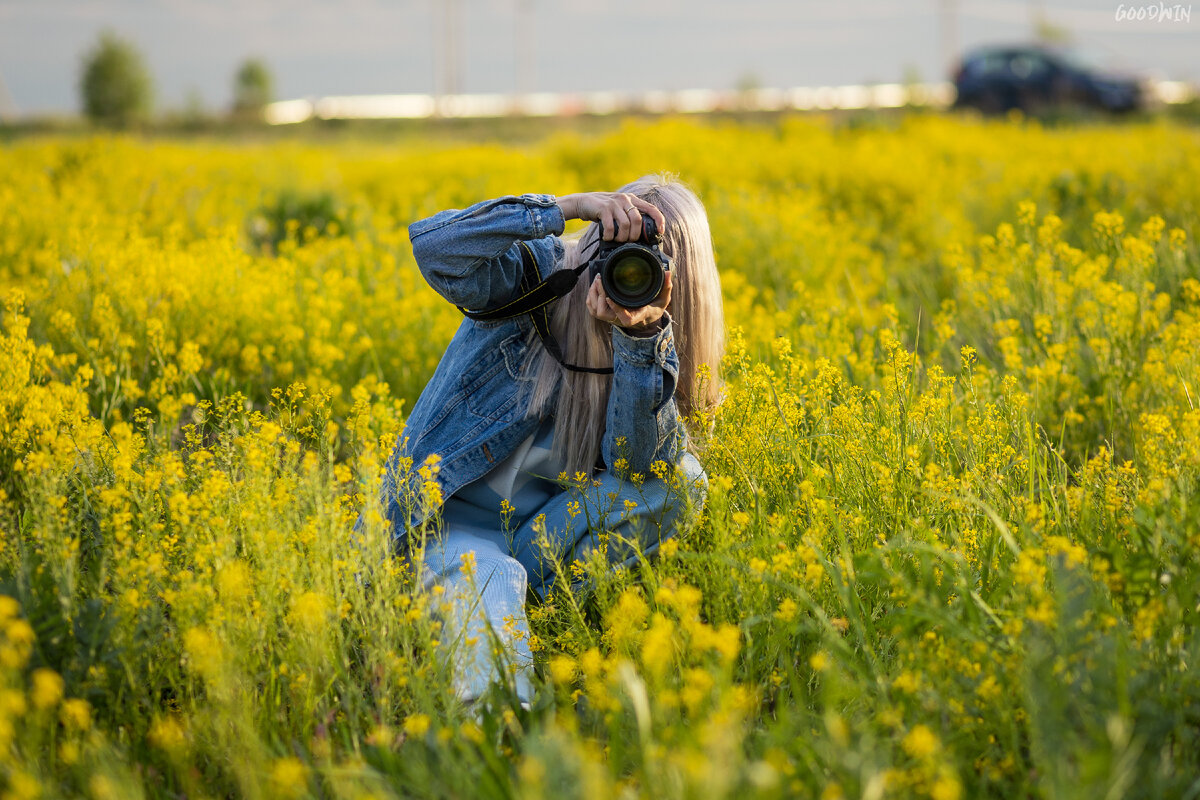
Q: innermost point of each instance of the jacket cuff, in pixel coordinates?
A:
(545, 217)
(648, 331)
(654, 348)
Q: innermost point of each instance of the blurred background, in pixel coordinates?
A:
(202, 59)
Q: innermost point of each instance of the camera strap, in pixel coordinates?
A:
(534, 300)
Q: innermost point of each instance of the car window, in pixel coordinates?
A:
(987, 64)
(1028, 66)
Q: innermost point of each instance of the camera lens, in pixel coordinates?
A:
(631, 275)
(632, 278)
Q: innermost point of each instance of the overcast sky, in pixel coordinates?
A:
(324, 47)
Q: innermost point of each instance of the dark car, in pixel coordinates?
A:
(1035, 79)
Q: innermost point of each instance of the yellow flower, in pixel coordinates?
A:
(204, 653)
(1027, 212)
(12, 703)
(233, 582)
(697, 687)
(190, 360)
(23, 786)
(658, 647)
(168, 734)
(626, 619)
(76, 714)
(20, 634)
(417, 725)
(289, 777)
(562, 669)
(1108, 224)
(311, 611)
(946, 787)
(47, 688)
(9, 608)
(787, 610)
(921, 742)
(907, 682)
(833, 791)
(381, 736)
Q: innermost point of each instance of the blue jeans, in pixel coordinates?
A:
(485, 629)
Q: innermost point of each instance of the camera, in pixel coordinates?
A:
(632, 273)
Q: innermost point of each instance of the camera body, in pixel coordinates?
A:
(632, 273)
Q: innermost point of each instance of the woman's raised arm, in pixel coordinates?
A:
(470, 256)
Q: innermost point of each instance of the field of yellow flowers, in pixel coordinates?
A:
(952, 542)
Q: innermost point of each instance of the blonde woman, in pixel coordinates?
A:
(510, 410)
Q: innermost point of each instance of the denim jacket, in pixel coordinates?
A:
(472, 413)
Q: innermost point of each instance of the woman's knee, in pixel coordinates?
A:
(499, 575)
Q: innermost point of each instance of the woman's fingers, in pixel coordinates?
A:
(619, 215)
(609, 218)
(590, 301)
(632, 217)
(602, 308)
(628, 218)
(645, 206)
(635, 223)
(626, 233)
(664, 297)
(597, 304)
(607, 222)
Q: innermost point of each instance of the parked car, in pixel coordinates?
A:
(1035, 78)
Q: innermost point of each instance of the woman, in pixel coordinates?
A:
(517, 462)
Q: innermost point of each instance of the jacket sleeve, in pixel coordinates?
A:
(642, 424)
(470, 256)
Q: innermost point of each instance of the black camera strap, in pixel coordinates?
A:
(534, 300)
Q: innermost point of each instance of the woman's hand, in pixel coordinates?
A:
(619, 214)
(635, 320)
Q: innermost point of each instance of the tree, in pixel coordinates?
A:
(116, 87)
(252, 88)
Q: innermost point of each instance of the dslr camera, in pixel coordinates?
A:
(632, 273)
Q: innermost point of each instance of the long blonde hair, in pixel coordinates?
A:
(697, 318)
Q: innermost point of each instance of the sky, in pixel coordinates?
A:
(323, 47)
